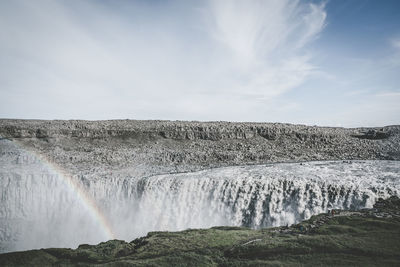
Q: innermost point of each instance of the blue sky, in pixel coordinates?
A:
(331, 63)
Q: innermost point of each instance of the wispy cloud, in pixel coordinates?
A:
(396, 43)
(267, 40)
(166, 60)
(388, 94)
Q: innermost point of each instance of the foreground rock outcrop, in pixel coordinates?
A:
(369, 237)
(154, 147)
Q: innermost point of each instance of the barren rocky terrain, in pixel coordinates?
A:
(154, 147)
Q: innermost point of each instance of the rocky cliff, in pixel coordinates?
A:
(151, 147)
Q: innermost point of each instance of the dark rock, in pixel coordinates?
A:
(373, 134)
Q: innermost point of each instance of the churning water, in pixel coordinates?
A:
(40, 207)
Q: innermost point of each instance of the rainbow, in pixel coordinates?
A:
(81, 193)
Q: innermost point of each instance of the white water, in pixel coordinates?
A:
(38, 208)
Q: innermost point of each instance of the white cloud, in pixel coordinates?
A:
(267, 40)
(395, 43)
(388, 94)
(85, 60)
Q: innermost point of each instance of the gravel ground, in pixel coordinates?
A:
(155, 147)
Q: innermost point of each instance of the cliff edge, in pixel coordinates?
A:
(153, 147)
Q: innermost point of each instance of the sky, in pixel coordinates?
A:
(327, 63)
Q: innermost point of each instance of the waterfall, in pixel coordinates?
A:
(252, 196)
(39, 209)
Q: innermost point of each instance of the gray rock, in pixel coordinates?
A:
(153, 147)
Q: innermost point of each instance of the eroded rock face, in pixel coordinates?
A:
(172, 146)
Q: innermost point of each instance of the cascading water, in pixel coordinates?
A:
(254, 196)
(41, 209)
